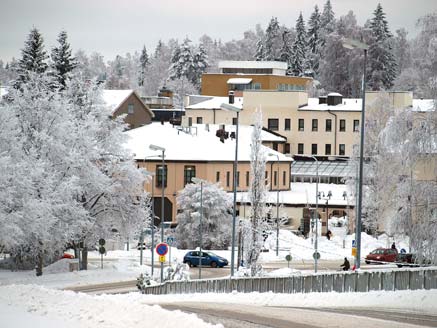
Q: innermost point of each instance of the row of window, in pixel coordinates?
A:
(290, 87)
(190, 173)
(328, 149)
(273, 124)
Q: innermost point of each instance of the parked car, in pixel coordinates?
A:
(67, 256)
(208, 259)
(381, 255)
(405, 259)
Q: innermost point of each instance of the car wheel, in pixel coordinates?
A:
(189, 263)
(400, 265)
(367, 262)
(213, 264)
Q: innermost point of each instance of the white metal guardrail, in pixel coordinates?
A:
(362, 281)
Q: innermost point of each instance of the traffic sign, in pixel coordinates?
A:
(170, 240)
(354, 244)
(102, 250)
(403, 251)
(101, 242)
(162, 249)
(288, 257)
(354, 251)
(316, 255)
(162, 258)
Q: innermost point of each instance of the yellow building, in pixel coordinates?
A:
(239, 76)
(198, 152)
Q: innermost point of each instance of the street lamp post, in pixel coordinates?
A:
(237, 110)
(353, 44)
(277, 204)
(158, 148)
(200, 181)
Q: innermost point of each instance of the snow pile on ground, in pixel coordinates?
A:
(422, 301)
(34, 306)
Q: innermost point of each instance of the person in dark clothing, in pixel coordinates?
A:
(329, 234)
(346, 265)
(393, 246)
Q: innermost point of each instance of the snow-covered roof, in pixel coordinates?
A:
(423, 105)
(303, 193)
(182, 146)
(348, 104)
(335, 94)
(114, 98)
(252, 64)
(215, 102)
(239, 80)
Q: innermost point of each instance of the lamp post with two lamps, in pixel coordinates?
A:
(316, 218)
(237, 110)
(354, 44)
(163, 182)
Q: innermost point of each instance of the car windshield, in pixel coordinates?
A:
(377, 251)
(212, 254)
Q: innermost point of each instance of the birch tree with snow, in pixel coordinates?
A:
(215, 216)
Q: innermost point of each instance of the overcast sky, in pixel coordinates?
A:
(113, 27)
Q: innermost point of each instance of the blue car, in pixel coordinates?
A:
(208, 259)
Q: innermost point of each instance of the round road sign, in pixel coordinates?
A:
(101, 242)
(316, 255)
(162, 249)
(102, 250)
(288, 257)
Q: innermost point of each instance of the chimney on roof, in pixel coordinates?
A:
(231, 97)
(334, 99)
(322, 100)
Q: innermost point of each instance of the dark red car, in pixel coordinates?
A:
(381, 255)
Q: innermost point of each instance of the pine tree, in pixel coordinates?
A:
(382, 64)
(299, 48)
(272, 34)
(327, 18)
(314, 42)
(182, 62)
(63, 61)
(286, 51)
(259, 54)
(144, 62)
(200, 63)
(33, 57)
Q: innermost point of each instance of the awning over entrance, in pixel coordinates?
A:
(239, 80)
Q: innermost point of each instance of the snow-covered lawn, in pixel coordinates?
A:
(27, 300)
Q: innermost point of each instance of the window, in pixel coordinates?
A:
(275, 178)
(287, 123)
(257, 86)
(130, 108)
(328, 149)
(341, 149)
(234, 121)
(315, 124)
(314, 149)
(189, 173)
(301, 124)
(300, 148)
(328, 126)
(356, 125)
(161, 176)
(275, 146)
(287, 148)
(199, 120)
(266, 181)
(190, 121)
(228, 179)
(238, 178)
(247, 178)
(342, 125)
(217, 176)
(273, 124)
(284, 178)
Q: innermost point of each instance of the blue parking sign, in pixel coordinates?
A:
(354, 244)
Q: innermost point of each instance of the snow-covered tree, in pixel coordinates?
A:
(215, 216)
(272, 38)
(401, 50)
(382, 63)
(62, 60)
(144, 63)
(286, 52)
(314, 42)
(253, 230)
(299, 48)
(200, 64)
(327, 18)
(33, 57)
(260, 52)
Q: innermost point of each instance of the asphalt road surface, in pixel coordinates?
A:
(243, 316)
